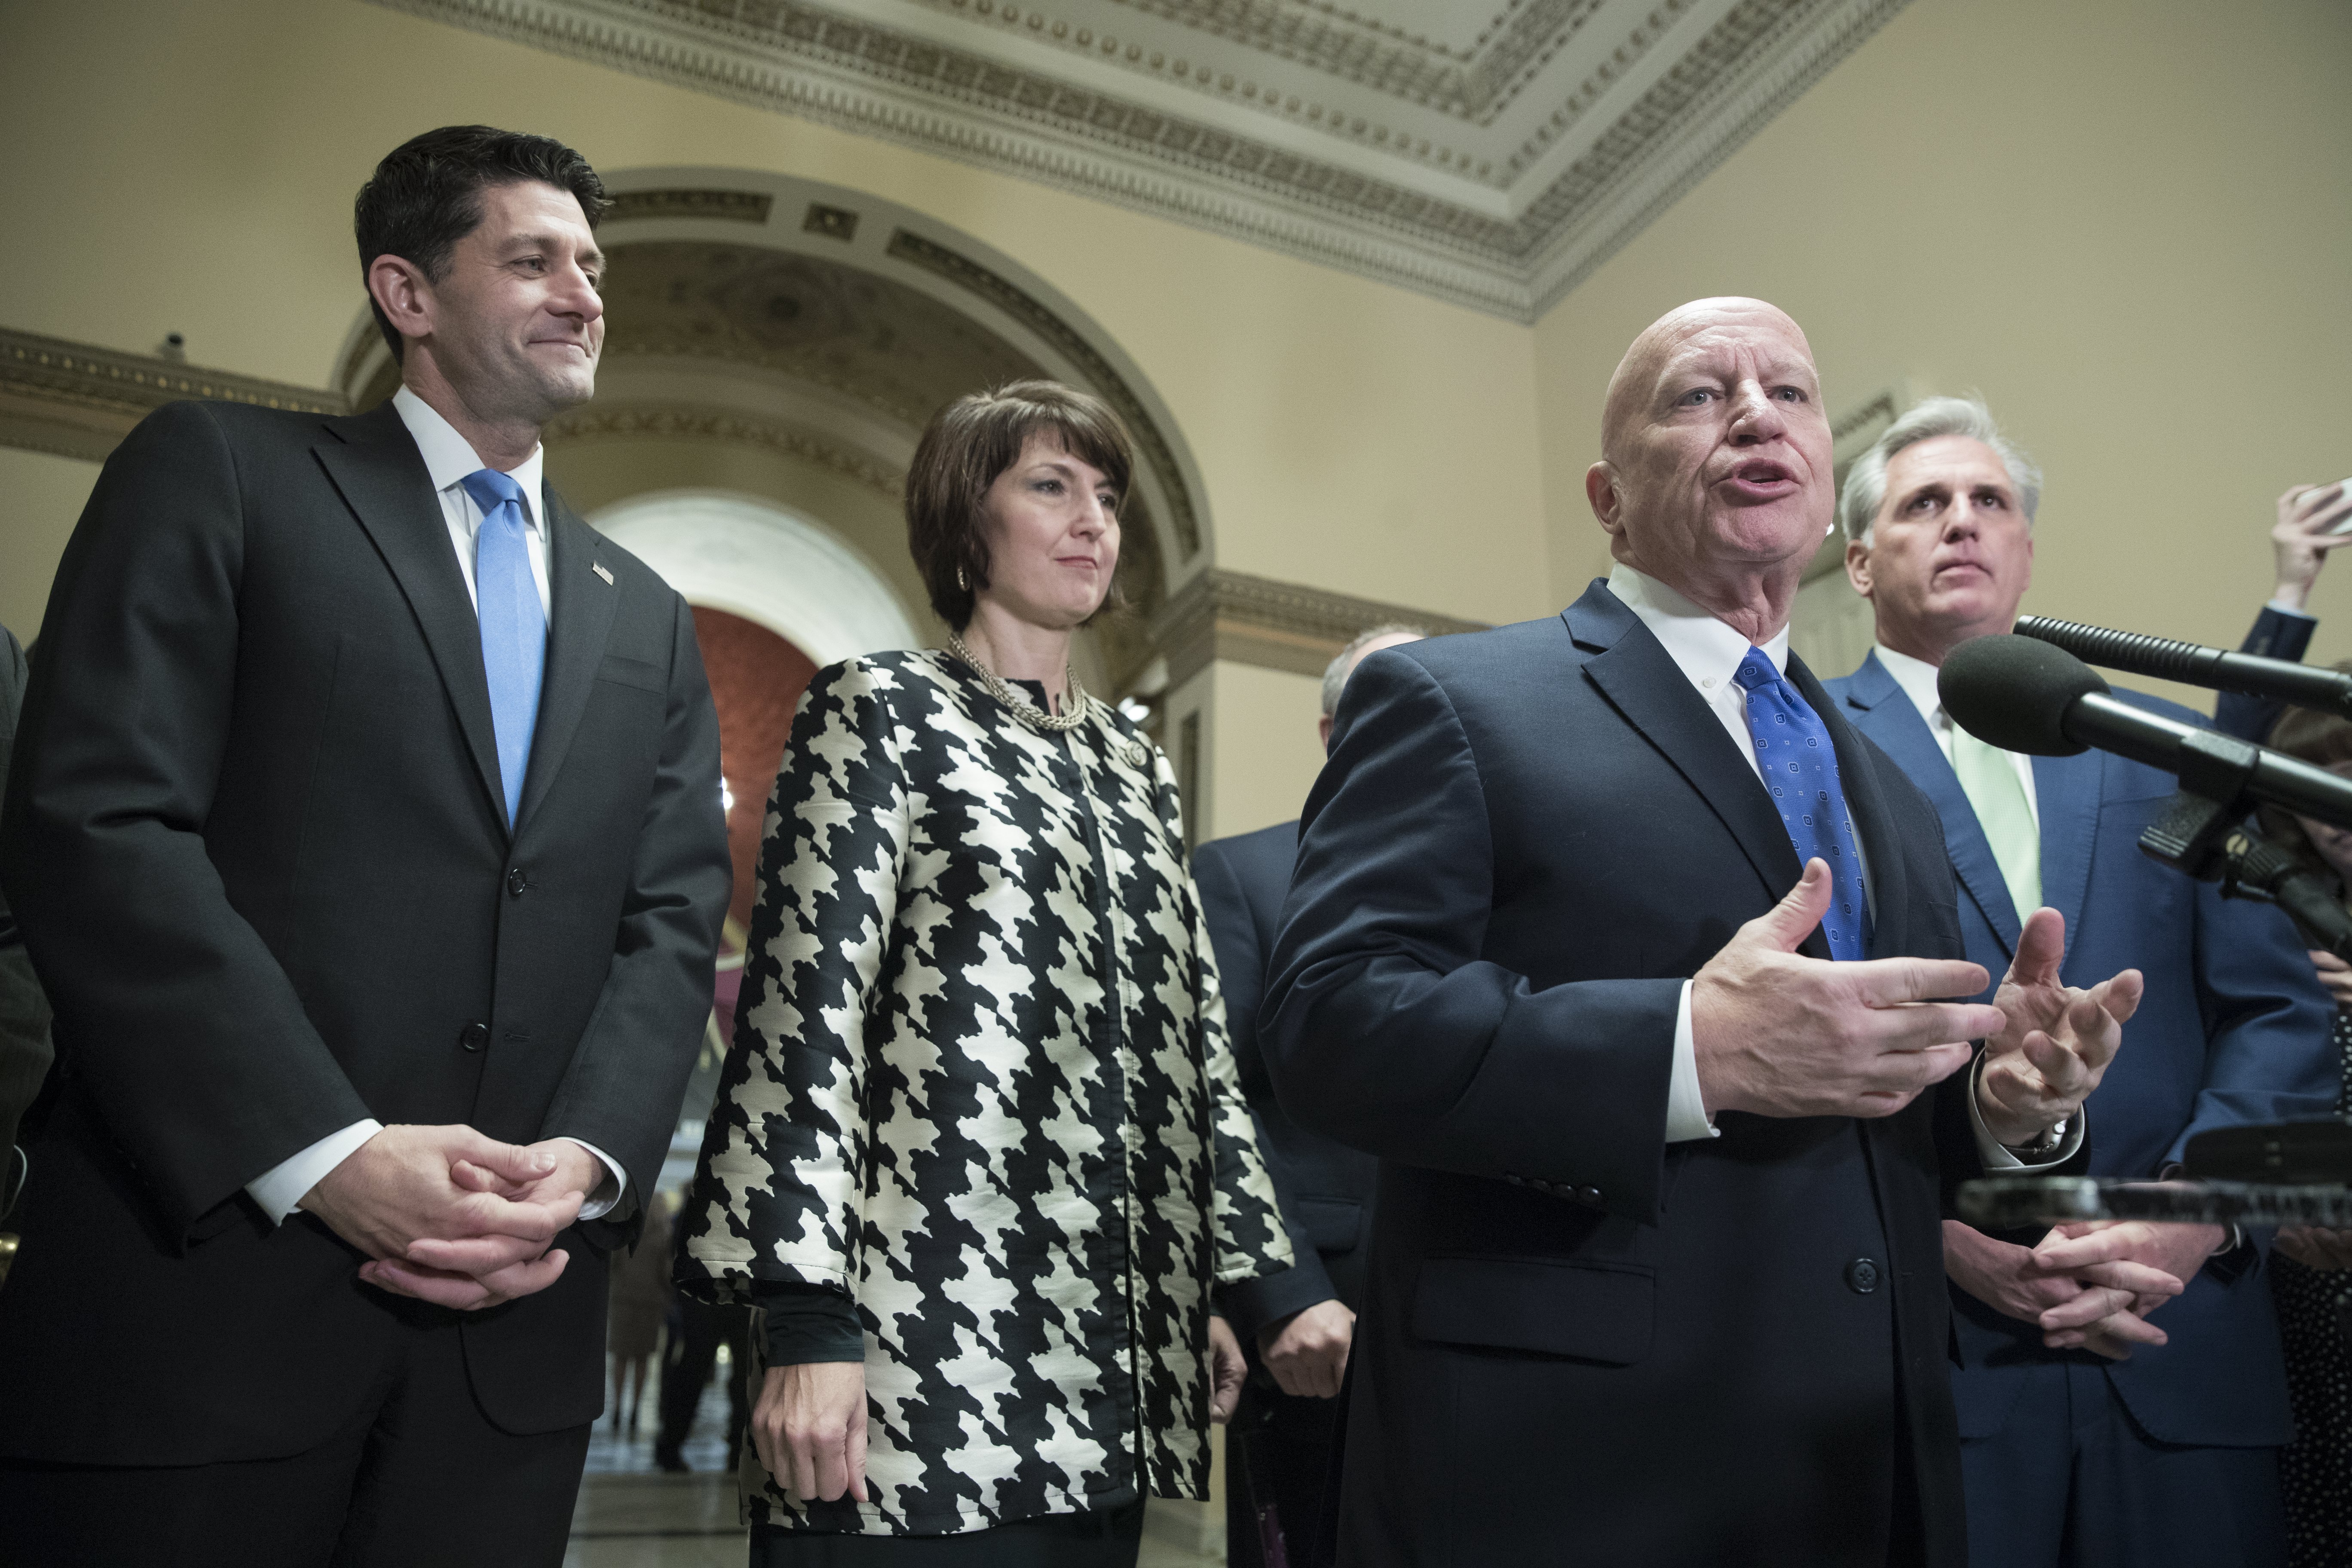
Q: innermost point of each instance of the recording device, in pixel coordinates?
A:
(2343, 488)
(2160, 658)
(2025, 695)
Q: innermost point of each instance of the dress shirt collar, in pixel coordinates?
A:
(1916, 676)
(1707, 651)
(449, 456)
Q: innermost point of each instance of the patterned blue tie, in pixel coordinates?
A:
(514, 626)
(1800, 767)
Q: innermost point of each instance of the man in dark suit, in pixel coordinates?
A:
(365, 829)
(1656, 1266)
(2146, 1440)
(1298, 1323)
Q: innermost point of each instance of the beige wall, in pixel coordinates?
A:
(2128, 225)
(1260, 746)
(191, 168)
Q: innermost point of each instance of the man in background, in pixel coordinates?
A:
(365, 829)
(24, 1051)
(1297, 1323)
(2148, 1438)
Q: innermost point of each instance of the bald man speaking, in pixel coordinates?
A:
(1622, 950)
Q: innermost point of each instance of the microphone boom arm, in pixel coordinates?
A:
(2216, 668)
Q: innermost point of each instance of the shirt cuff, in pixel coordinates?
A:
(280, 1189)
(608, 1195)
(1686, 1118)
(1999, 1156)
(2278, 609)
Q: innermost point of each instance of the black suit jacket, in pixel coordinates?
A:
(1580, 1343)
(254, 837)
(1325, 1188)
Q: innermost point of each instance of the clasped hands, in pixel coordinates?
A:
(451, 1216)
(1778, 1034)
(2087, 1286)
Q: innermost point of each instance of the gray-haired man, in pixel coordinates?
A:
(2140, 1442)
(1298, 1324)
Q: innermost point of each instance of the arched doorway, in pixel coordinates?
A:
(753, 558)
(776, 598)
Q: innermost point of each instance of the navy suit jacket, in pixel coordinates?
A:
(1325, 1187)
(2234, 1029)
(1732, 1350)
(2275, 635)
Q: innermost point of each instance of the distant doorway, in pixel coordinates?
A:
(756, 681)
(754, 558)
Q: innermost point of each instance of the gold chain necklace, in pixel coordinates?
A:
(1074, 701)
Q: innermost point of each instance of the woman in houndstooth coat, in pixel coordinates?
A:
(979, 1152)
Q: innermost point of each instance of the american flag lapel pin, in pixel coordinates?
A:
(598, 568)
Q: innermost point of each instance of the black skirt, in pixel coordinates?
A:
(1109, 1539)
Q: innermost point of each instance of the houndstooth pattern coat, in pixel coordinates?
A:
(979, 1080)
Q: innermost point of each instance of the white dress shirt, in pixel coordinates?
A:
(448, 459)
(1709, 654)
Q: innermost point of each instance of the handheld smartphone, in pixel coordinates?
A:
(2343, 493)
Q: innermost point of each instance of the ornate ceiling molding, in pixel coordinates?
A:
(1274, 625)
(1473, 80)
(76, 400)
(1494, 169)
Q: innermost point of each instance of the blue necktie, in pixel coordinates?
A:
(1800, 767)
(514, 626)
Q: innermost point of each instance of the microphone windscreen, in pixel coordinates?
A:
(2013, 692)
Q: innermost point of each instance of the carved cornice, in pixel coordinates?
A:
(1245, 619)
(1475, 83)
(1376, 204)
(726, 207)
(76, 400)
(677, 423)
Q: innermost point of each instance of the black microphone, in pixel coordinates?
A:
(2023, 695)
(2302, 893)
(2160, 658)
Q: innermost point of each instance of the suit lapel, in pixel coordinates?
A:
(583, 605)
(2066, 798)
(1882, 711)
(375, 465)
(1642, 682)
